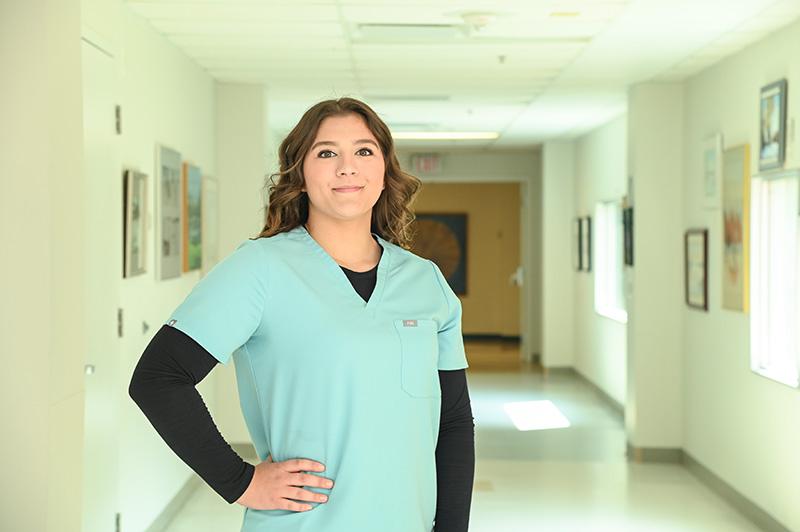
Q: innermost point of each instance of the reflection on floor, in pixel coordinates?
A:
(573, 479)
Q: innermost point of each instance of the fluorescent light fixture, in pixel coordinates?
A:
(445, 135)
(536, 415)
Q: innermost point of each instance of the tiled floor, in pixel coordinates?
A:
(562, 480)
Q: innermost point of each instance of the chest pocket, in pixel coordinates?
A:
(419, 357)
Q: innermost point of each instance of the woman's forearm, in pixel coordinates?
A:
(163, 386)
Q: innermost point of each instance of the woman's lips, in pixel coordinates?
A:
(348, 189)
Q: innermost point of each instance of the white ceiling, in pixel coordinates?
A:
(532, 70)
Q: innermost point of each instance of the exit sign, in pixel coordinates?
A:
(426, 163)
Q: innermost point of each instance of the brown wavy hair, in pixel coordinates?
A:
(288, 204)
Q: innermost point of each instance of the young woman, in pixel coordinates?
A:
(347, 350)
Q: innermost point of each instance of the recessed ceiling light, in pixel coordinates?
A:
(445, 135)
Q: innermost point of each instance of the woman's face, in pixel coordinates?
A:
(343, 169)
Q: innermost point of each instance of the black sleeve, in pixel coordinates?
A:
(455, 454)
(163, 386)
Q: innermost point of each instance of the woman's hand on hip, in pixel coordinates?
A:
(274, 484)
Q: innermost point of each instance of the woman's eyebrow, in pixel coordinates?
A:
(331, 143)
(366, 141)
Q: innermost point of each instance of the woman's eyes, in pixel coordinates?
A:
(324, 153)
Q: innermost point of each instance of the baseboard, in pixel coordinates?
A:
(661, 455)
(561, 370)
(727, 492)
(174, 506)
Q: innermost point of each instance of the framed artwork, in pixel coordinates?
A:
(586, 244)
(210, 224)
(192, 217)
(442, 238)
(712, 171)
(134, 223)
(772, 148)
(627, 226)
(577, 244)
(696, 268)
(736, 228)
(168, 218)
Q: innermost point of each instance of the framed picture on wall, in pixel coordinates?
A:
(586, 243)
(134, 221)
(442, 238)
(192, 217)
(712, 171)
(772, 148)
(577, 244)
(736, 228)
(696, 268)
(627, 232)
(168, 217)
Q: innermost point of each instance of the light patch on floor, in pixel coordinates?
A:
(535, 415)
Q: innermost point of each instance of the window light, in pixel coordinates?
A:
(609, 297)
(774, 278)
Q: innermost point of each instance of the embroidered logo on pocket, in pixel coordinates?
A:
(409, 323)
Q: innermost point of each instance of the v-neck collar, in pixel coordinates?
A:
(344, 282)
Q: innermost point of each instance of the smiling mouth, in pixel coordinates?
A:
(348, 189)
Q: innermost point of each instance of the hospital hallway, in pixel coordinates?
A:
(601, 198)
(573, 479)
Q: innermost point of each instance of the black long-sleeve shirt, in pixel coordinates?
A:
(163, 386)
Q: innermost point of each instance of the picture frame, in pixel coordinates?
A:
(442, 238)
(577, 245)
(772, 125)
(736, 228)
(192, 219)
(134, 200)
(168, 218)
(627, 226)
(712, 171)
(696, 268)
(586, 244)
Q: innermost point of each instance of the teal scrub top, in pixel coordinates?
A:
(324, 375)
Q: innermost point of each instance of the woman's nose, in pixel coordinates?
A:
(346, 167)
